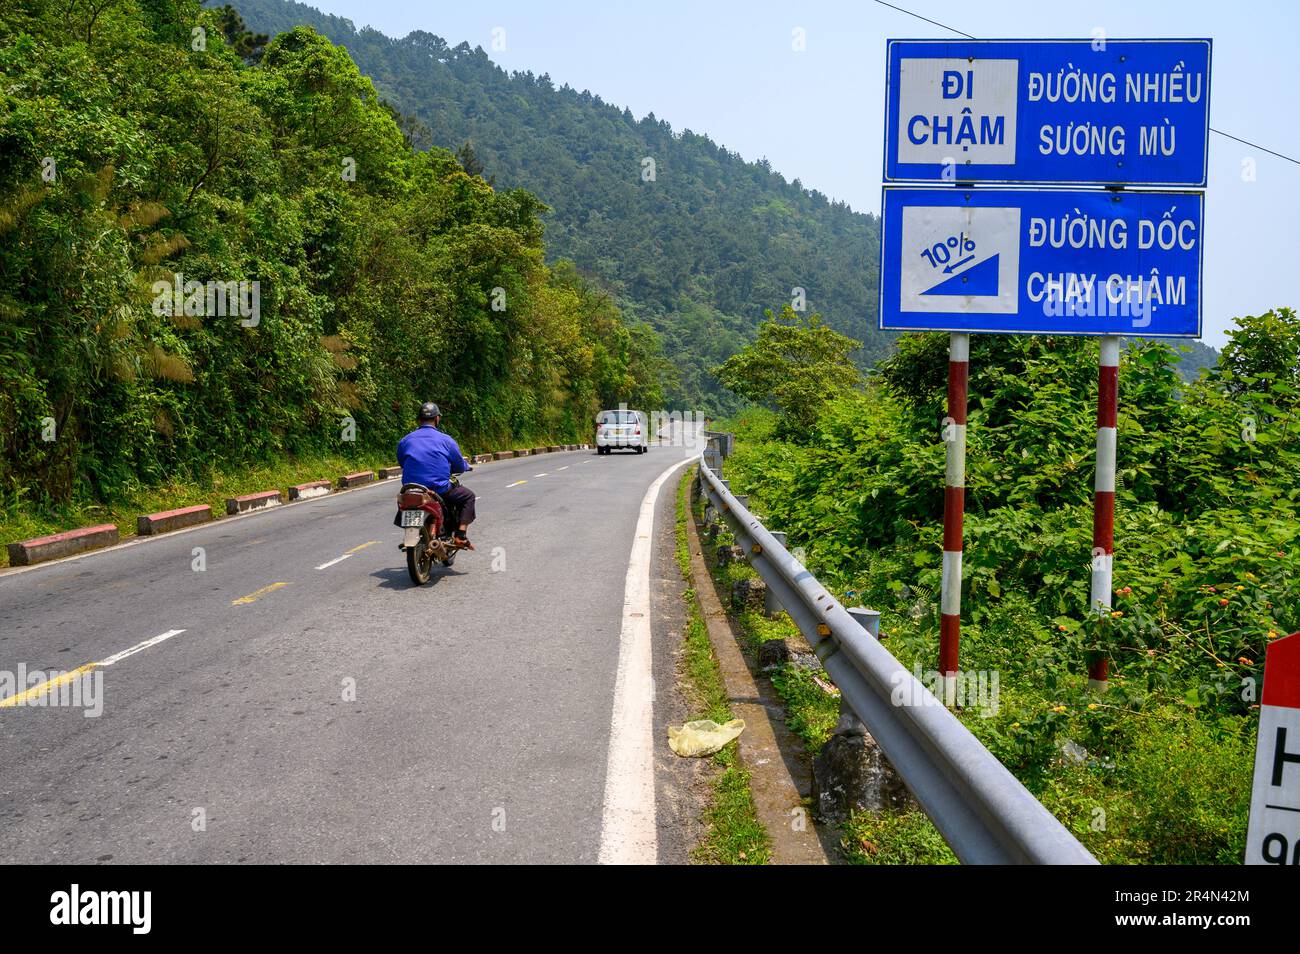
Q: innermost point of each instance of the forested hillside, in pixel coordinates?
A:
(700, 252)
(329, 277)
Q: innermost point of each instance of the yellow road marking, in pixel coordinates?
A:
(35, 692)
(516, 484)
(257, 594)
(368, 543)
(62, 679)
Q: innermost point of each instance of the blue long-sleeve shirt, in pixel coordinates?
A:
(429, 457)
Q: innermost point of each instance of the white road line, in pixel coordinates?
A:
(565, 467)
(541, 475)
(326, 566)
(516, 484)
(628, 834)
(118, 657)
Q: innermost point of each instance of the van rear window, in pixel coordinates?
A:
(618, 417)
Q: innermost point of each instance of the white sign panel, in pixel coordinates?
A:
(1273, 837)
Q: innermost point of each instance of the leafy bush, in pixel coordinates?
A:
(1207, 566)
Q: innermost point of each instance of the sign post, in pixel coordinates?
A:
(1103, 502)
(1273, 835)
(971, 257)
(954, 506)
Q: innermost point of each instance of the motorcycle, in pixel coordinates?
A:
(427, 530)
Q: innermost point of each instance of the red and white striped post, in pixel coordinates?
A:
(1103, 507)
(954, 505)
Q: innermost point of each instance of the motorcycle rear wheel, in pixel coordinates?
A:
(418, 559)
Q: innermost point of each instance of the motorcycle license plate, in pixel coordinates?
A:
(413, 518)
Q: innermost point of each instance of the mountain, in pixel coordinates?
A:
(700, 252)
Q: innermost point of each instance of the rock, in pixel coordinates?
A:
(1072, 753)
(805, 660)
(773, 653)
(851, 773)
(748, 594)
(729, 553)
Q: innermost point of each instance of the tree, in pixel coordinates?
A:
(470, 162)
(248, 46)
(1266, 345)
(795, 365)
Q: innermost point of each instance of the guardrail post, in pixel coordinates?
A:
(851, 772)
(868, 619)
(772, 605)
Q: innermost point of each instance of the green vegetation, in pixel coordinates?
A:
(23, 523)
(145, 144)
(796, 364)
(698, 253)
(734, 834)
(1207, 565)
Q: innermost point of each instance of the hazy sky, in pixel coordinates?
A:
(728, 69)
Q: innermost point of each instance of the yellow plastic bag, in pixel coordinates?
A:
(703, 736)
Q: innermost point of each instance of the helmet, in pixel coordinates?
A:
(429, 411)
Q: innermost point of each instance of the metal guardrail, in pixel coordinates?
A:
(980, 808)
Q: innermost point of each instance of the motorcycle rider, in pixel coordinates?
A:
(430, 457)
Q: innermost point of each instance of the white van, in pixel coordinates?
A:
(622, 428)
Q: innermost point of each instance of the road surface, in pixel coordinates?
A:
(306, 703)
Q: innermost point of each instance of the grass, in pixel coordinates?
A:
(22, 520)
(733, 833)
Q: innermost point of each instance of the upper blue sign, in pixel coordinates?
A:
(1051, 261)
(1070, 112)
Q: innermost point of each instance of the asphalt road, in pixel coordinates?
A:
(318, 709)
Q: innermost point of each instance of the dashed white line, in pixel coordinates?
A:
(327, 565)
(516, 484)
(541, 475)
(118, 657)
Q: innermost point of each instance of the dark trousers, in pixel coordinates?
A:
(460, 501)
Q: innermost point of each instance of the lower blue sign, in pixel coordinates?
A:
(1058, 262)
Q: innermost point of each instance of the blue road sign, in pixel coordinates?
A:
(1041, 262)
(1070, 112)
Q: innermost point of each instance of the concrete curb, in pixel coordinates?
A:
(356, 480)
(258, 501)
(40, 549)
(71, 542)
(779, 768)
(151, 523)
(314, 488)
